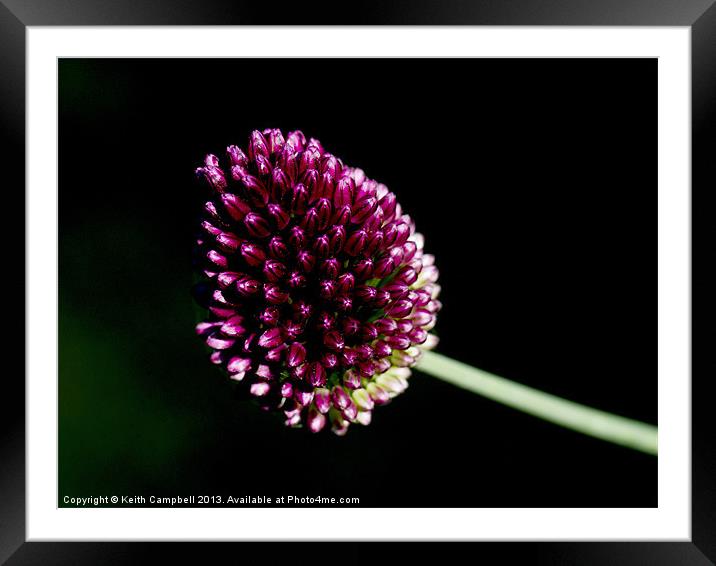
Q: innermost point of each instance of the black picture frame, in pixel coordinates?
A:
(699, 15)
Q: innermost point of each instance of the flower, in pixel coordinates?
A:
(319, 295)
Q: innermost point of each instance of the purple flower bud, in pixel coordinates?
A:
(386, 326)
(422, 317)
(329, 360)
(249, 342)
(263, 166)
(255, 190)
(274, 270)
(365, 293)
(351, 411)
(316, 374)
(382, 349)
(256, 225)
(345, 283)
(330, 164)
(315, 420)
(397, 289)
(356, 242)
(275, 354)
(237, 156)
(351, 379)
(398, 341)
(418, 336)
(227, 242)
(302, 310)
(368, 332)
(326, 321)
(362, 210)
(366, 368)
(212, 174)
(343, 194)
(341, 399)
(336, 239)
(333, 340)
(407, 275)
(404, 326)
(233, 326)
(293, 329)
(303, 395)
(320, 245)
(306, 261)
(382, 298)
(270, 316)
(274, 139)
(210, 228)
(286, 389)
(375, 241)
(326, 289)
(247, 287)
(400, 309)
(384, 267)
(409, 250)
(297, 140)
(238, 365)
(326, 186)
(257, 145)
(219, 343)
(351, 326)
(322, 399)
(387, 204)
(252, 254)
(396, 253)
(296, 280)
(363, 269)
(374, 220)
(274, 295)
(349, 358)
(260, 388)
(234, 206)
(217, 259)
(299, 200)
(280, 184)
(296, 354)
(344, 303)
(204, 327)
(299, 372)
(342, 215)
(278, 215)
(310, 221)
(277, 248)
(323, 211)
(364, 352)
(271, 338)
(297, 237)
(310, 181)
(330, 268)
(309, 158)
(227, 278)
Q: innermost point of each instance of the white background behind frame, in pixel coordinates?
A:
(670, 521)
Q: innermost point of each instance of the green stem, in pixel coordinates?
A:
(613, 428)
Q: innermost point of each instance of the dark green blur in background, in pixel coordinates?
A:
(535, 190)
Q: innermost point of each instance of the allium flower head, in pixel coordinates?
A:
(319, 295)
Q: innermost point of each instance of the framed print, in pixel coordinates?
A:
(350, 283)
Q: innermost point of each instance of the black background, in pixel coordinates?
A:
(533, 181)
